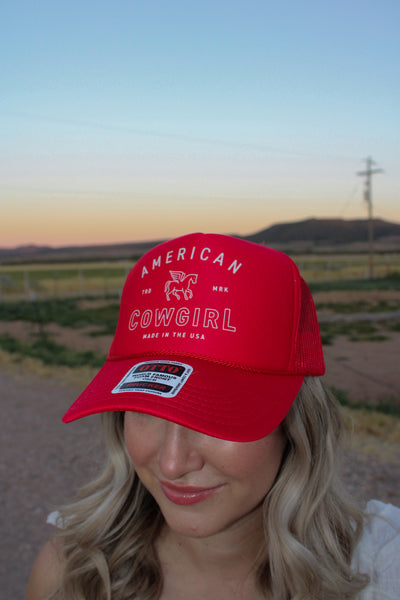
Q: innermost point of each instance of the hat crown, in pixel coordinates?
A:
(220, 299)
(214, 333)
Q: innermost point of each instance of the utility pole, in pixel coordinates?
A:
(368, 199)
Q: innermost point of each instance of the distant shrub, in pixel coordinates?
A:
(66, 313)
(390, 282)
(50, 353)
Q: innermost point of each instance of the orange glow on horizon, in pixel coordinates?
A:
(66, 222)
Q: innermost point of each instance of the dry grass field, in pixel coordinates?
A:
(60, 280)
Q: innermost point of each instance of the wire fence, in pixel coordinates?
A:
(30, 282)
(62, 281)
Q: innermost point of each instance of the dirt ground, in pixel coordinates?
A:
(43, 462)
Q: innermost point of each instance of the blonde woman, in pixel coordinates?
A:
(221, 481)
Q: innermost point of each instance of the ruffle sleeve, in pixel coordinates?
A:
(378, 552)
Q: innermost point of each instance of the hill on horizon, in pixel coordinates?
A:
(309, 235)
(326, 232)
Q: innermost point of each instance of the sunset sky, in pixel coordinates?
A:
(132, 120)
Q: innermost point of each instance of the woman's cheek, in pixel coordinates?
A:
(137, 437)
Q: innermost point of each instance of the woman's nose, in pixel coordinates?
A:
(179, 454)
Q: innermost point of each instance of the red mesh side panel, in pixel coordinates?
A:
(309, 358)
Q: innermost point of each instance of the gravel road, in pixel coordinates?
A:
(42, 462)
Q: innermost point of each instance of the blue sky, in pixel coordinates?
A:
(136, 120)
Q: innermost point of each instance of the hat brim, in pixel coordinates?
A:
(218, 400)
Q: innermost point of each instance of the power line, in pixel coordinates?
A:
(368, 199)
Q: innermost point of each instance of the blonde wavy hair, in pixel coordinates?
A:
(311, 525)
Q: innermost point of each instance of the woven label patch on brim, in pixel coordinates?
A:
(160, 377)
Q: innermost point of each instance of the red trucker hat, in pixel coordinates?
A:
(214, 333)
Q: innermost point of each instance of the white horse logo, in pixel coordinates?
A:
(180, 284)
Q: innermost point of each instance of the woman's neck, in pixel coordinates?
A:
(225, 560)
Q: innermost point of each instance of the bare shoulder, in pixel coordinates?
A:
(46, 572)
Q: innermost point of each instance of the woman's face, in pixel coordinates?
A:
(203, 485)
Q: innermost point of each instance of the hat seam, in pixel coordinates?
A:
(175, 355)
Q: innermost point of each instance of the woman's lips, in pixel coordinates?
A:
(187, 495)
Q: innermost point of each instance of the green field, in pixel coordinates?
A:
(107, 278)
(62, 281)
(345, 267)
